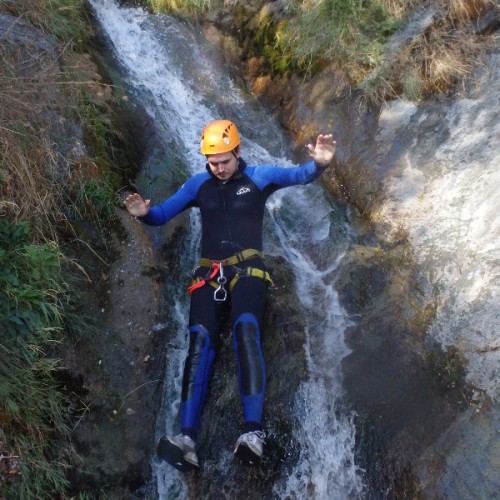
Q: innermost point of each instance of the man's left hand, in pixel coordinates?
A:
(324, 150)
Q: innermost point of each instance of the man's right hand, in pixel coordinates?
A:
(136, 205)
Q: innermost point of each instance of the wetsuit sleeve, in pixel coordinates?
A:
(184, 198)
(281, 177)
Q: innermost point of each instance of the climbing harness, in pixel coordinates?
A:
(217, 267)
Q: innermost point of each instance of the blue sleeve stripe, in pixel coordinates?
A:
(179, 201)
(281, 176)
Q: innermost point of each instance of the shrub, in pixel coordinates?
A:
(33, 410)
(41, 189)
(351, 32)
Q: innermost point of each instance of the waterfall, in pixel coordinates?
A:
(182, 83)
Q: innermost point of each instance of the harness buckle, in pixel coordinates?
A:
(220, 294)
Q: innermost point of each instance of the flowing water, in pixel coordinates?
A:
(183, 83)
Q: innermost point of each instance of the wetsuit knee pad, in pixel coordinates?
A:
(248, 350)
(196, 376)
(198, 360)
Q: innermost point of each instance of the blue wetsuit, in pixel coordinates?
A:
(232, 215)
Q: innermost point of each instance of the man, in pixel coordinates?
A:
(231, 196)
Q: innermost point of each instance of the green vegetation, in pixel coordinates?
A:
(351, 33)
(48, 181)
(34, 412)
(449, 371)
(98, 199)
(61, 18)
(305, 36)
(182, 6)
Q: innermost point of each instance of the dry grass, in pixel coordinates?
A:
(44, 167)
(182, 6)
(445, 54)
(26, 192)
(465, 10)
(30, 168)
(62, 18)
(435, 60)
(445, 58)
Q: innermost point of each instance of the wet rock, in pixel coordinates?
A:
(394, 377)
(116, 373)
(20, 32)
(473, 434)
(417, 325)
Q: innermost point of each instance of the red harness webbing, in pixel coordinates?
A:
(202, 282)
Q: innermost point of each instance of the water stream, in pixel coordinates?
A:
(183, 83)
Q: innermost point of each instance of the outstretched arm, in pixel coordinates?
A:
(324, 149)
(136, 205)
(160, 214)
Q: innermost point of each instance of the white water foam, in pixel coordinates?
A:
(326, 468)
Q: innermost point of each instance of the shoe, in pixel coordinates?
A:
(179, 451)
(250, 447)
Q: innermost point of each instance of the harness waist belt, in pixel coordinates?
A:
(249, 253)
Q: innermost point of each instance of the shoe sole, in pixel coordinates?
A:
(246, 455)
(170, 453)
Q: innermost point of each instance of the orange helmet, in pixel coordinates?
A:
(219, 136)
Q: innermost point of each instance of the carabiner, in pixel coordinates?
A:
(220, 294)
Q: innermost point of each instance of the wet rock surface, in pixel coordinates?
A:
(473, 434)
(395, 376)
(406, 376)
(116, 372)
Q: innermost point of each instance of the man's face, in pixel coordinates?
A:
(223, 165)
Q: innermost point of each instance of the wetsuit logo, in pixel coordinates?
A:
(243, 191)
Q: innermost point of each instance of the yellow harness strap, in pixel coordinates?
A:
(253, 272)
(247, 254)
